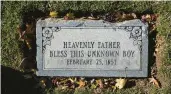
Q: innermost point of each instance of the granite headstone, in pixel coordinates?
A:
(92, 48)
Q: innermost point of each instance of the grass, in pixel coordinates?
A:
(12, 56)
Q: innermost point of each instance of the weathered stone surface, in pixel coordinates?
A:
(92, 48)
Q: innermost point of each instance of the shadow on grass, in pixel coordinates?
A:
(13, 82)
(151, 57)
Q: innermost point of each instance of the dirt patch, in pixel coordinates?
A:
(159, 53)
(160, 46)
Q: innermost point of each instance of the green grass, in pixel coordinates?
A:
(10, 52)
(11, 13)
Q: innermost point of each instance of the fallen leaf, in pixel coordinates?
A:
(53, 14)
(153, 17)
(54, 81)
(42, 83)
(69, 16)
(114, 87)
(93, 86)
(64, 87)
(66, 18)
(129, 16)
(119, 15)
(134, 15)
(156, 50)
(91, 18)
(82, 78)
(92, 81)
(120, 83)
(153, 27)
(154, 81)
(81, 83)
(100, 83)
(148, 17)
(72, 81)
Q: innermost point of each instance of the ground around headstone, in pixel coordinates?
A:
(159, 62)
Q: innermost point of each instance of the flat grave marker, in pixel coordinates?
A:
(92, 48)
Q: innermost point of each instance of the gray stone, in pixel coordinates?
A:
(92, 48)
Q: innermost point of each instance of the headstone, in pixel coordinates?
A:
(92, 48)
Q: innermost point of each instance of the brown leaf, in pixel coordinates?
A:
(154, 81)
(66, 18)
(81, 83)
(72, 81)
(134, 15)
(69, 16)
(148, 17)
(129, 16)
(154, 17)
(100, 83)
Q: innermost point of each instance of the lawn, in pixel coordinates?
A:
(160, 40)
